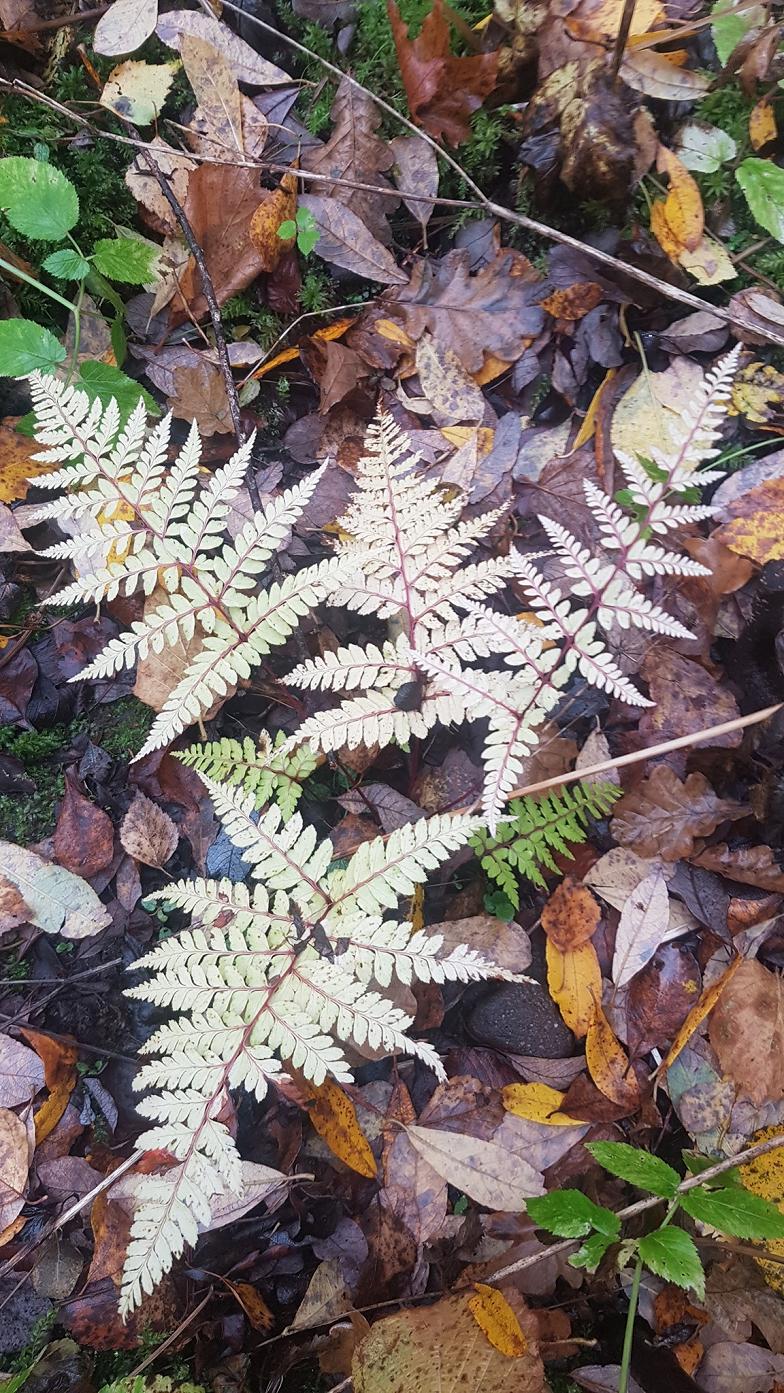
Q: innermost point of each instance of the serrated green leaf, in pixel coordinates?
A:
(126, 259)
(763, 184)
(103, 381)
(728, 27)
(570, 1214)
(26, 347)
(696, 1165)
(637, 1167)
(734, 1211)
(37, 199)
(591, 1252)
(671, 1254)
(68, 264)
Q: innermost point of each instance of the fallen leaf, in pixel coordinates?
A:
(575, 983)
(745, 1368)
(537, 1102)
(703, 147)
(442, 91)
(441, 1348)
(644, 924)
(326, 1298)
(607, 1064)
(709, 263)
(232, 259)
(483, 1170)
(335, 1119)
(17, 465)
(216, 91)
(687, 699)
(84, 835)
(21, 1073)
(252, 1303)
(683, 209)
(571, 915)
(137, 91)
(651, 74)
(59, 901)
(663, 817)
(415, 173)
(247, 65)
(660, 999)
(176, 167)
(276, 207)
(756, 527)
(147, 833)
(125, 27)
(762, 124)
(747, 1032)
(357, 154)
(345, 241)
(14, 1166)
(11, 538)
(495, 1316)
(699, 1012)
(199, 394)
(574, 302)
(751, 865)
(446, 385)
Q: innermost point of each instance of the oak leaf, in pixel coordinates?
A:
(751, 865)
(443, 91)
(747, 1032)
(662, 816)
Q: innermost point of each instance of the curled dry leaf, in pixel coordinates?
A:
(443, 91)
(747, 1032)
(570, 916)
(59, 902)
(147, 833)
(663, 817)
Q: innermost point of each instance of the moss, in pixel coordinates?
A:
(122, 727)
(260, 323)
(28, 817)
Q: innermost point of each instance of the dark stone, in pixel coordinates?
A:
(519, 1018)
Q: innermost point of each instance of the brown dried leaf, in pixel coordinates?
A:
(571, 915)
(200, 395)
(416, 173)
(687, 699)
(277, 206)
(663, 817)
(216, 91)
(345, 241)
(442, 91)
(751, 865)
(84, 835)
(232, 259)
(756, 528)
(176, 167)
(747, 1032)
(147, 833)
(357, 154)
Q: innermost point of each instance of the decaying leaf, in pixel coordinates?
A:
(662, 816)
(248, 66)
(751, 865)
(608, 1065)
(147, 833)
(487, 1172)
(217, 92)
(14, 1166)
(356, 154)
(495, 1316)
(644, 924)
(138, 90)
(571, 915)
(21, 1073)
(345, 241)
(335, 1119)
(442, 90)
(415, 173)
(575, 983)
(59, 902)
(276, 207)
(747, 1032)
(756, 527)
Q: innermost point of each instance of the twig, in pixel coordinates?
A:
(622, 36)
(172, 1339)
(641, 1206)
(59, 22)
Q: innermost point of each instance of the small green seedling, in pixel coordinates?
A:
(668, 1251)
(303, 227)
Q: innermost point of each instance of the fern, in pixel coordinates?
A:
(139, 524)
(537, 829)
(409, 551)
(263, 769)
(288, 972)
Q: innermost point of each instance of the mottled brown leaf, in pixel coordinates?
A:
(751, 865)
(746, 1030)
(345, 241)
(147, 833)
(571, 915)
(84, 835)
(662, 816)
(442, 91)
(356, 153)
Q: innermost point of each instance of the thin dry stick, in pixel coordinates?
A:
(173, 1338)
(640, 1207)
(622, 36)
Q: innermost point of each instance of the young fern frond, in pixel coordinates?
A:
(537, 829)
(408, 551)
(263, 769)
(139, 524)
(289, 973)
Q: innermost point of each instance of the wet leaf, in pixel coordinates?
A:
(486, 1172)
(703, 147)
(575, 983)
(652, 74)
(415, 172)
(537, 1102)
(747, 1032)
(446, 385)
(495, 1316)
(751, 865)
(607, 1064)
(762, 182)
(762, 124)
(356, 153)
(14, 1166)
(17, 466)
(125, 27)
(660, 998)
(21, 1073)
(700, 1012)
(232, 259)
(683, 205)
(147, 833)
(663, 817)
(137, 91)
(345, 241)
(571, 915)
(84, 835)
(744, 1368)
(442, 91)
(687, 700)
(756, 528)
(59, 902)
(335, 1119)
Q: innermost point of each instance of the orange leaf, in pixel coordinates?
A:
(663, 232)
(50, 1112)
(494, 1315)
(335, 330)
(683, 205)
(575, 301)
(16, 463)
(278, 206)
(575, 983)
(698, 1013)
(571, 915)
(252, 1303)
(607, 1064)
(586, 431)
(762, 124)
(334, 1117)
(59, 1057)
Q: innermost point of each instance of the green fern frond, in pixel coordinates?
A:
(537, 830)
(265, 769)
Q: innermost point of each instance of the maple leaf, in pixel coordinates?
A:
(442, 90)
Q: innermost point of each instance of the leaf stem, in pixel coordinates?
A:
(37, 285)
(628, 1335)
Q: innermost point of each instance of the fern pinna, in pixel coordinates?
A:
(408, 550)
(285, 972)
(263, 768)
(140, 524)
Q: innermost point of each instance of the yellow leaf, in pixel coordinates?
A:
(278, 206)
(334, 1117)
(762, 124)
(335, 330)
(586, 431)
(608, 1066)
(460, 435)
(494, 1315)
(388, 329)
(698, 1013)
(683, 205)
(575, 983)
(708, 263)
(16, 466)
(537, 1102)
(663, 232)
(50, 1112)
(765, 1177)
(491, 368)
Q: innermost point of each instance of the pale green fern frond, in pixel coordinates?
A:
(264, 769)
